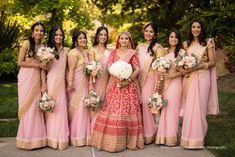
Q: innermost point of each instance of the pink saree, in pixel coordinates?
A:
(31, 131)
(79, 116)
(199, 99)
(169, 120)
(57, 121)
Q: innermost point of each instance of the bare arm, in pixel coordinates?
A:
(72, 62)
(43, 81)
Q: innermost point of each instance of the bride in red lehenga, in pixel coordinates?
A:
(118, 124)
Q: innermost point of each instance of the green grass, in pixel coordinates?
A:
(220, 138)
(8, 100)
(8, 129)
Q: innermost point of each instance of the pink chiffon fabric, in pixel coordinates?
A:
(80, 119)
(201, 99)
(31, 131)
(169, 120)
(57, 121)
(147, 91)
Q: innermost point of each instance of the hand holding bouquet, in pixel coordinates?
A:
(122, 70)
(45, 54)
(92, 101)
(46, 103)
(161, 64)
(186, 62)
(93, 69)
(156, 102)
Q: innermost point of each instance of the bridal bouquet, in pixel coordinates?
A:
(93, 69)
(156, 102)
(46, 103)
(186, 61)
(122, 70)
(161, 64)
(92, 101)
(45, 54)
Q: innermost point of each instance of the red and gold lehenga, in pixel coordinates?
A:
(118, 124)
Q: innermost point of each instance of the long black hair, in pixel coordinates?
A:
(202, 36)
(51, 39)
(179, 44)
(154, 40)
(96, 40)
(76, 34)
(32, 52)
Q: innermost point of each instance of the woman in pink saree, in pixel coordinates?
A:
(147, 53)
(31, 131)
(79, 116)
(100, 53)
(169, 120)
(57, 121)
(199, 89)
(118, 124)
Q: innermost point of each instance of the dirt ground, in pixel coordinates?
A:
(227, 82)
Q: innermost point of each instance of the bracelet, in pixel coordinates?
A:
(129, 80)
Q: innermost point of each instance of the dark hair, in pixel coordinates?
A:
(76, 34)
(31, 39)
(202, 36)
(154, 41)
(179, 44)
(96, 40)
(51, 39)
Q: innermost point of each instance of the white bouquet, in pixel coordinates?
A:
(121, 69)
(46, 103)
(92, 101)
(161, 64)
(93, 69)
(156, 102)
(45, 54)
(186, 61)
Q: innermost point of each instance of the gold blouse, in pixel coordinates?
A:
(81, 59)
(94, 52)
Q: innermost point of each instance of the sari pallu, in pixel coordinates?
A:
(147, 79)
(199, 99)
(79, 116)
(31, 131)
(57, 121)
(118, 125)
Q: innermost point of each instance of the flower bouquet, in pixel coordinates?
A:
(45, 54)
(122, 70)
(156, 102)
(93, 69)
(46, 103)
(186, 61)
(92, 101)
(161, 64)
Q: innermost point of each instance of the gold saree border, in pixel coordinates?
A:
(29, 99)
(168, 141)
(61, 145)
(192, 143)
(80, 141)
(30, 144)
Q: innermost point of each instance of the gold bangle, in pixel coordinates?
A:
(205, 66)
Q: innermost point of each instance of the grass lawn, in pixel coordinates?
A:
(8, 100)
(220, 138)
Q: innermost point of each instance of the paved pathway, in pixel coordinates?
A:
(8, 149)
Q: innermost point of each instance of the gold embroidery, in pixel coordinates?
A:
(30, 98)
(169, 141)
(32, 144)
(77, 97)
(192, 144)
(57, 144)
(79, 141)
